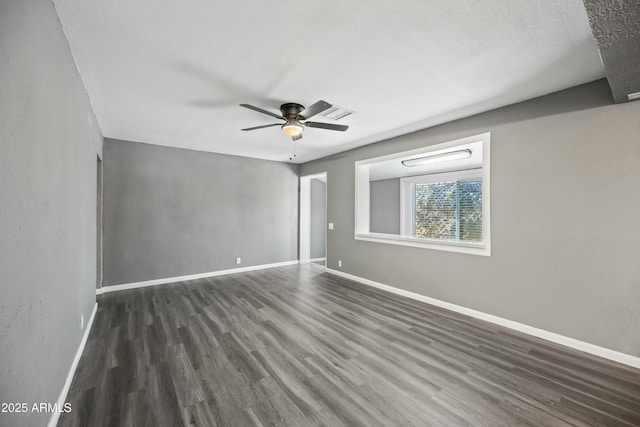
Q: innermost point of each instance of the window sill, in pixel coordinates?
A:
(460, 247)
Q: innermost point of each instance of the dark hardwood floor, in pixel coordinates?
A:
(295, 346)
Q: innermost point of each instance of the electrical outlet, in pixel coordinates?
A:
(81, 321)
(238, 260)
(330, 226)
(339, 263)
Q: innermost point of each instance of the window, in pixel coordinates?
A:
(443, 201)
(444, 207)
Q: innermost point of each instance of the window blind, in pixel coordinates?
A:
(449, 210)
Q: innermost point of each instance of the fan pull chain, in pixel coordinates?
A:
(294, 151)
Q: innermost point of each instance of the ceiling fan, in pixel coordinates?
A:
(295, 118)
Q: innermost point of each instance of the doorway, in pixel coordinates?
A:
(313, 219)
(99, 226)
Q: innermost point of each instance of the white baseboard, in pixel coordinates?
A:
(606, 353)
(55, 415)
(309, 261)
(155, 282)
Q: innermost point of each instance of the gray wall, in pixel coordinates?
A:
(172, 212)
(565, 219)
(49, 142)
(318, 222)
(384, 204)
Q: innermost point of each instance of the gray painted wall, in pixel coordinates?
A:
(48, 144)
(172, 212)
(565, 219)
(318, 223)
(384, 203)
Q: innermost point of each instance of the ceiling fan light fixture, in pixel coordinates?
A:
(292, 128)
(293, 114)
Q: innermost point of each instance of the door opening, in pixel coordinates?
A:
(313, 219)
(99, 226)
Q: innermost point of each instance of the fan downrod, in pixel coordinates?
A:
(291, 109)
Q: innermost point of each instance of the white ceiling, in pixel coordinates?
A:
(173, 72)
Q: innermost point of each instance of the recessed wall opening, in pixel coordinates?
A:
(435, 197)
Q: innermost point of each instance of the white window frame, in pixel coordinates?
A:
(362, 208)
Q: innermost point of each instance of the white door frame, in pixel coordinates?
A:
(305, 217)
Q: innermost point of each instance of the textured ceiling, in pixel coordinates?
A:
(616, 28)
(613, 21)
(173, 73)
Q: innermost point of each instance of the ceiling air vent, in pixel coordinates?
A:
(336, 112)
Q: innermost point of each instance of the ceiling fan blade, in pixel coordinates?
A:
(314, 109)
(296, 137)
(260, 110)
(263, 126)
(329, 126)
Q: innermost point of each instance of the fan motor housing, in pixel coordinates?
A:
(291, 109)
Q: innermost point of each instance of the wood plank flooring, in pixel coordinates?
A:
(295, 346)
